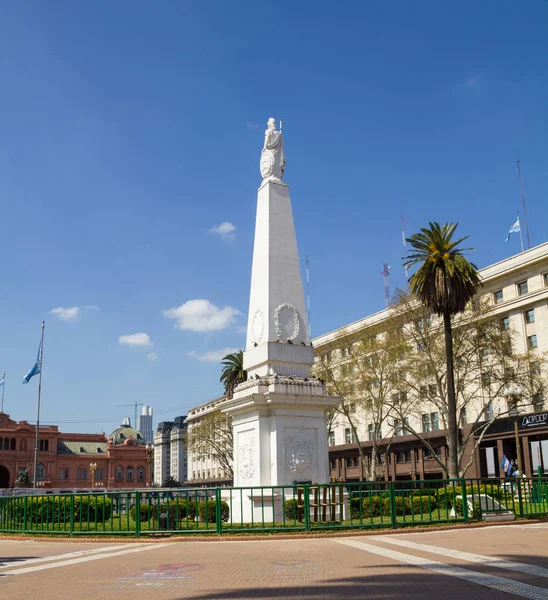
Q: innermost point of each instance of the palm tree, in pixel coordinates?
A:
(233, 371)
(444, 282)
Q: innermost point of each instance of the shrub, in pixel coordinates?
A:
(371, 507)
(424, 504)
(290, 509)
(474, 514)
(208, 511)
(56, 509)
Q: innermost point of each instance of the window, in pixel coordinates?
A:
(140, 474)
(63, 473)
(350, 462)
(119, 473)
(498, 297)
(532, 341)
(484, 352)
(435, 421)
(530, 316)
(463, 416)
(430, 454)
(99, 474)
(41, 471)
(403, 456)
(426, 423)
(333, 464)
(328, 356)
(421, 347)
(505, 323)
(373, 430)
(535, 368)
(545, 277)
(347, 436)
(345, 370)
(345, 351)
(432, 390)
(485, 379)
(13, 444)
(522, 288)
(400, 426)
(475, 304)
(538, 402)
(331, 438)
(423, 391)
(489, 412)
(351, 407)
(430, 422)
(81, 474)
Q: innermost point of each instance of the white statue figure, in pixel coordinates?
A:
(272, 156)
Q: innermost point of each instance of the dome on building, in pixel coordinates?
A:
(124, 433)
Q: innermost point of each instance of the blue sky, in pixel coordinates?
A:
(129, 131)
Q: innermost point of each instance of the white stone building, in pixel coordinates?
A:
(144, 424)
(517, 290)
(170, 456)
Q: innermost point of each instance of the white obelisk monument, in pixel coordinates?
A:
(279, 413)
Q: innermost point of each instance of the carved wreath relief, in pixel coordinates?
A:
(246, 466)
(301, 451)
(257, 326)
(286, 321)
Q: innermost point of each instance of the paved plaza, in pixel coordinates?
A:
(497, 563)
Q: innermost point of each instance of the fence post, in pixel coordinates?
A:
(464, 501)
(306, 502)
(71, 526)
(137, 514)
(520, 496)
(25, 513)
(392, 505)
(218, 521)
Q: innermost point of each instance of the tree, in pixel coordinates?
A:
(211, 436)
(171, 482)
(445, 282)
(365, 380)
(233, 371)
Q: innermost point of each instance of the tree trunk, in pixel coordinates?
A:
(452, 429)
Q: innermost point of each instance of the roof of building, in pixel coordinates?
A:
(123, 433)
(81, 448)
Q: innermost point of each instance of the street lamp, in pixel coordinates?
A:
(150, 456)
(513, 395)
(92, 469)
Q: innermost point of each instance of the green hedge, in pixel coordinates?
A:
(290, 509)
(208, 511)
(174, 509)
(374, 506)
(56, 509)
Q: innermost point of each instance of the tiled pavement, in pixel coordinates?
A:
(496, 563)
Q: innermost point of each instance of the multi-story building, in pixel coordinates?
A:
(66, 460)
(204, 468)
(144, 424)
(170, 456)
(516, 289)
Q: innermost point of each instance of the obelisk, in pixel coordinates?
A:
(279, 413)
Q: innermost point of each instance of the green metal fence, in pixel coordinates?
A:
(334, 506)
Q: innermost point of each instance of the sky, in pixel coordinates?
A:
(130, 138)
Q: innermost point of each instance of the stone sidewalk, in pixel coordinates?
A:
(499, 563)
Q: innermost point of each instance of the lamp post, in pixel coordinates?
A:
(92, 469)
(513, 394)
(150, 456)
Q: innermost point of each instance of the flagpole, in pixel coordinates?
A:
(520, 237)
(3, 389)
(38, 411)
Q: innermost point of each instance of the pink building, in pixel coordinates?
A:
(64, 459)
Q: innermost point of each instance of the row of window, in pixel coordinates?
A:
(11, 444)
(202, 474)
(401, 456)
(522, 289)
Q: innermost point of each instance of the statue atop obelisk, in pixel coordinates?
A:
(272, 156)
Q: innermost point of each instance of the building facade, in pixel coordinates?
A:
(144, 424)
(516, 290)
(73, 460)
(203, 467)
(170, 455)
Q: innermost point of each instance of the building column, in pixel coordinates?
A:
(526, 455)
(500, 452)
(420, 463)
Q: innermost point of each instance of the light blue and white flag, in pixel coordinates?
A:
(2, 380)
(507, 466)
(514, 229)
(36, 368)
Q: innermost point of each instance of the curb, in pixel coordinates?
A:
(229, 537)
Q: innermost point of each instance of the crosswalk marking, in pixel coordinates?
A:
(491, 561)
(490, 581)
(81, 559)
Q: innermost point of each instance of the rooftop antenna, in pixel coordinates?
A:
(523, 200)
(404, 242)
(308, 297)
(386, 273)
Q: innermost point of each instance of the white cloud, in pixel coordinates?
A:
(212, 355)
(251, 125)
(136, 339)
(241, 329)
(202, 315)
(90, 307)
(473, 81)
(66, 314)
(226, 231)
(153, 357)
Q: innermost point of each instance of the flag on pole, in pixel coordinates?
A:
(507, 466)
(515, 228)
(2, 380)
(37, 366)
